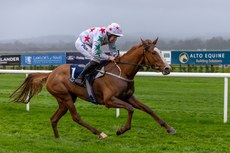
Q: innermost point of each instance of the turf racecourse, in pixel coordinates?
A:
(193, 106)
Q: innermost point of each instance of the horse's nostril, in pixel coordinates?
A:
(167, 69)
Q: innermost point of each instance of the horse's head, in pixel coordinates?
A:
(154, 57)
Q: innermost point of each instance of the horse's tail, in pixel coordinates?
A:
(31, 86)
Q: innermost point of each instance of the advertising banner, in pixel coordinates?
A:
(201, 57)
(43, 59)
(76, 58)
(10, 59)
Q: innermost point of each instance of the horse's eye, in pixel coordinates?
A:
(154, 52)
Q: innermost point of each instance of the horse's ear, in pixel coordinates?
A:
(143, 42)
(155, 41)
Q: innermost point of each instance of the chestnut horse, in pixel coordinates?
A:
(114, 90)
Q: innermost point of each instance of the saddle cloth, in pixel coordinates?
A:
(75, 70)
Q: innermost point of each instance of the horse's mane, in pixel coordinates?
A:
(133, 48)
(136, 46)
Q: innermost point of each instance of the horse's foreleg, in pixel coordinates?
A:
(56, 117)
(76, 118)
(137, 104)
(117, 103)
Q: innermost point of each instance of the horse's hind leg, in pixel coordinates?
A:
(56, 117)
(75, 116)
(137, 104)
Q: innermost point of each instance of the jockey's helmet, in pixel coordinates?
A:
(114, 29)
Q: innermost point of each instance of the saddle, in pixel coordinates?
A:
(75, 70)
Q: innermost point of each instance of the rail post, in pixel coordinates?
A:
(225, 100)
(27, 98)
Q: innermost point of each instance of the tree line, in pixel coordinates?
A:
(215, 43)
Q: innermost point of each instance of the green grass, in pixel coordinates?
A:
(193, 106)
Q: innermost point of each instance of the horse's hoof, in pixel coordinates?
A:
(102, 135)
(119, 132)
(171, 131)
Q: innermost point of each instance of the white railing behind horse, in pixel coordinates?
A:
(203, 75)
(173, 74)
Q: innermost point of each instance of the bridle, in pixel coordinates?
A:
(149, 65)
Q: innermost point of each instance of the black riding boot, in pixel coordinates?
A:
(88, 68)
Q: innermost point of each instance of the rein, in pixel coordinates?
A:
(128, 63)
(134, 64)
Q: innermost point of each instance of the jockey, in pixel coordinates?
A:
(89, 44)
